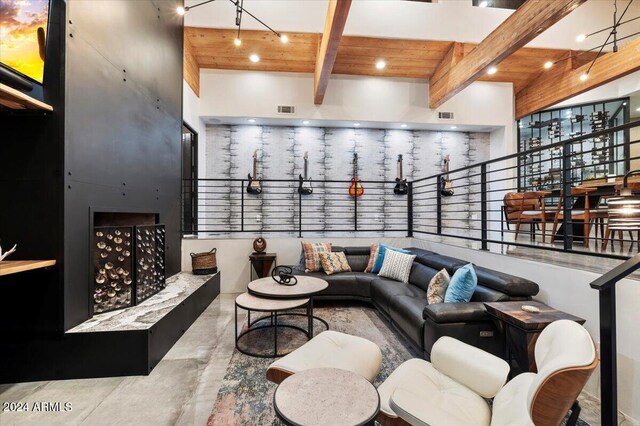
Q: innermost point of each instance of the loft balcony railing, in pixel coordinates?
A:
(569, 213)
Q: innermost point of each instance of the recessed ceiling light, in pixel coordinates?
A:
(237, 41)
(254, 58)
(581, 38)
(453, 127)
(305, 122)
(252, 120)
(584, 76)
(403, 125)
(180, 10)
(381, 64)
(483, 3)
(548, 65)
(284, 38)
(356, 124)
(492, 70)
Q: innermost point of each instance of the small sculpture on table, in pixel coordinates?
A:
(259, 245)
(6, 254)
(284, 275)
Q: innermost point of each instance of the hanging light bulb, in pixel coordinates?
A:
(181, 10)
(584, 76)
(237, 41)
(283, 38)
(581, 38)
(548, 65)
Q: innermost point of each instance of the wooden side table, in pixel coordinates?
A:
(521, 329)
(261, 263)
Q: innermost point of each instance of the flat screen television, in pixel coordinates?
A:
(23, 31)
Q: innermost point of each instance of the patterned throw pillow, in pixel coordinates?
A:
(438, 287)
(372, 257)
(334, 262)
(382, 249)
(397, 266)
(312, 255)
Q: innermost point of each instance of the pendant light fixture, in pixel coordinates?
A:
(240, 10)
(624, 211)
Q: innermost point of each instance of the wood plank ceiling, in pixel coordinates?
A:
(213, 48)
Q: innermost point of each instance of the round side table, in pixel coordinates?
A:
(253, 303)
(326, 396)
(306, 287)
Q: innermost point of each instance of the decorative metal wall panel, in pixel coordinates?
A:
(150, 273)
(112, 268)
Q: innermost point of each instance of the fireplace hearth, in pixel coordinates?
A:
(128, 261)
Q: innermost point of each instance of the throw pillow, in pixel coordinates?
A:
(334, 262)
(372, 257)
(462, 285)
(382, 249)
(438, 287)
(397, 266)
(312, 255)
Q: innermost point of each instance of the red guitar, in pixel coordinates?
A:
(355, 190)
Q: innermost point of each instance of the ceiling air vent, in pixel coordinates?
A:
(445, 115)
(286, 109)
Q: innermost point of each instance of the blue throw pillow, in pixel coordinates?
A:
(382, 248)
(462, 285)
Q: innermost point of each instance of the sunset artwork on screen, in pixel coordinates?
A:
(23, 25)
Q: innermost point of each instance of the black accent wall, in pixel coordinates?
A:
(114, 77)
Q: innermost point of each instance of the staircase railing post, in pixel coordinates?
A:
(608, 362)
(410, 209)
(483, 206)
(438, 205)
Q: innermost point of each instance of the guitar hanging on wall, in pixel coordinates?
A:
(401, 187)
(254, 186)
(305, 187)
(355, 190)
(446, 184)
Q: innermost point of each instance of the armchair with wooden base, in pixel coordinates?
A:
(454, 387)
(585, 214)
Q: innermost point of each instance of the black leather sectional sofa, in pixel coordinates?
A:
(406, 307)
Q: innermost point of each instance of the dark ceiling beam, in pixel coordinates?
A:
(333, 29)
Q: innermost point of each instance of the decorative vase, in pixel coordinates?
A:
(259, 245)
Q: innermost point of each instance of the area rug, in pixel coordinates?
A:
(246, 396)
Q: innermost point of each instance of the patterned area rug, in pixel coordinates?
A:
(246, 396)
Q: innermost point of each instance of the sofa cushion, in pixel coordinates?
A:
(343, 284)
(509, 284)
(421, 275)
(462, 285)
(406, 313)
(383, 289)
(486, 294)
(437, 261)
(455, 312)
(358, 262)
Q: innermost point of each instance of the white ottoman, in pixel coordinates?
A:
(330, 349)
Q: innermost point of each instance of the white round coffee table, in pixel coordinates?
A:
(326, 396)
(306, 287)
(253, 303)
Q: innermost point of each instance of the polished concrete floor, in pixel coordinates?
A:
(181, 390)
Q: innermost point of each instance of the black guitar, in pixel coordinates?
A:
(305, 187)
(401, 187)
(446, 184)
(254, 186)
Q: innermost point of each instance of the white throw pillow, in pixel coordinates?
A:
(397, 266)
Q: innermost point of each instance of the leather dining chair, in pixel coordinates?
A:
(528, 208)
(585, 214)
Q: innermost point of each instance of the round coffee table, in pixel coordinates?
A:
(273, 306)
(326, 396)
(306, 287)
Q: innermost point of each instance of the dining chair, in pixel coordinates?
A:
(585, 214)
(528, 208)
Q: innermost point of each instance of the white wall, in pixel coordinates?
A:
(568, 290)
(233, 254)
